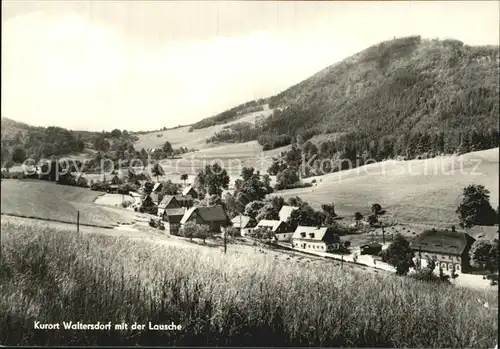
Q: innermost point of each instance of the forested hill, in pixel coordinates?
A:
(20, 140)
(402, 85)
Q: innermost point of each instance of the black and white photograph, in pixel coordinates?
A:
(250, 174)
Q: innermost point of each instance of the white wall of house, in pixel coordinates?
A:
(310, 245)
(445, 261)
(246, 231)
(285, 237)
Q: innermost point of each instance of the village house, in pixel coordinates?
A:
(190, 191)
(214, 216)
(185, 200)
(168, 202)
(286, 212)
(172, 218)
(450, 249)
(321, 239)
(244, 224)
(280, 229)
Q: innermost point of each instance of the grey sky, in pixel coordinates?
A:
(145, 65)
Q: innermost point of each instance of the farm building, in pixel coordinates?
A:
(185, 200)
(279, 228)
(173, 217)
(190, 191)
(244, 223)
(214, 216)
(372, 249)
(286, 212)
(321, 239)
(450, 249)
(168, 202)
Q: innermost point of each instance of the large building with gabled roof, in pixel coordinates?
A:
(450, 249)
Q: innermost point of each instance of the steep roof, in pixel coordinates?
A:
(267, 223)
(174, 215)
(187, 189)
(315, 234)
(183, 198)
(286, 211)
(244, 220)
(442, 241)
(166, 201)
(157, 186)
(207, 214)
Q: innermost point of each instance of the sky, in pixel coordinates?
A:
(100, 65)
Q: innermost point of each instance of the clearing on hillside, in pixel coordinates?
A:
(51, 201)
(411, 191)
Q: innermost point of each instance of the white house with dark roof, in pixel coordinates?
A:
(244, 224)
(279, 228)
(450, 249)
(321, 239)
(213, 216)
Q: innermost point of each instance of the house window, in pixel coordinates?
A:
(457, 267)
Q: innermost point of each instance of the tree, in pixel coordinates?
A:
(148, 188)
(212, 180)
(157, 171)
(167, 148)
(376, 209)
(116, 133)
(372, 219)
(306, 216)
(475, 208)
(287, 178)
(101, 144)
(252, 185)
(253, 208)
(189, 230)
(184, 177)
(484, 254)
(358, 216)
(202, 231)
(400, 255)
(18, 155)
(261, 234)
(268, 211)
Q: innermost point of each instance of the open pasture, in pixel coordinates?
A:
(50, 201)
(413, 191)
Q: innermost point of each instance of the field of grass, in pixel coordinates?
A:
(227, 300)
(412, 191)
(50, 201)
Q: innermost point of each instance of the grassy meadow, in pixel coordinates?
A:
(227, 300)
(51, 201)
(413, 191)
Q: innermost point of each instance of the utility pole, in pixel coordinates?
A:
(77, 222)
(383, 232)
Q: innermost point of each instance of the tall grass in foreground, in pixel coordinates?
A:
(233, 300)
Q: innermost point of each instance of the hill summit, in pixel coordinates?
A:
(395, 86)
